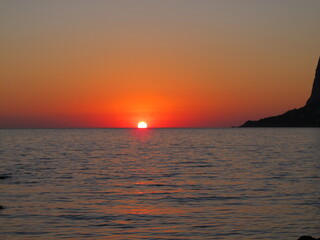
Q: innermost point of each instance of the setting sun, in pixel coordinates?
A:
(142, 125)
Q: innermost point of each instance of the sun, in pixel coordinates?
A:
(142, 125)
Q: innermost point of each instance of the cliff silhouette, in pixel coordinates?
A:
(307, 116)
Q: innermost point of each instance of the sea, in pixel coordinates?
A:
(197, 184)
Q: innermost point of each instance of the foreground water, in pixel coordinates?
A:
(160, 183)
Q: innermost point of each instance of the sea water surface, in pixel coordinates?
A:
(160, 183)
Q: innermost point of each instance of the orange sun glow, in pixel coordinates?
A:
(142, 125)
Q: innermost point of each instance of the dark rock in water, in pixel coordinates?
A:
(4, 176)
(307, 238)
(307, 116)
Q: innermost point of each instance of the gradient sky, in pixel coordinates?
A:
(171, 63)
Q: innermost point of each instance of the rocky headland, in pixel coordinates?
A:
(307, 116)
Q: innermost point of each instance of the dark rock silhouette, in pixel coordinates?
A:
(315, 94)
(307, 238)
(4, 176)
(307, 116)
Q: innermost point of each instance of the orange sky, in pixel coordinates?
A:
(170, 63)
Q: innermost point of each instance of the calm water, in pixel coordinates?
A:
(160, 184)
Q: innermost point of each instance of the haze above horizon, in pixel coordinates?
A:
(170, 63)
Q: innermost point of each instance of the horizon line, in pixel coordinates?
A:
(1, 128)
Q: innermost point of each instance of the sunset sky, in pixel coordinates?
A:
(171, 63)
